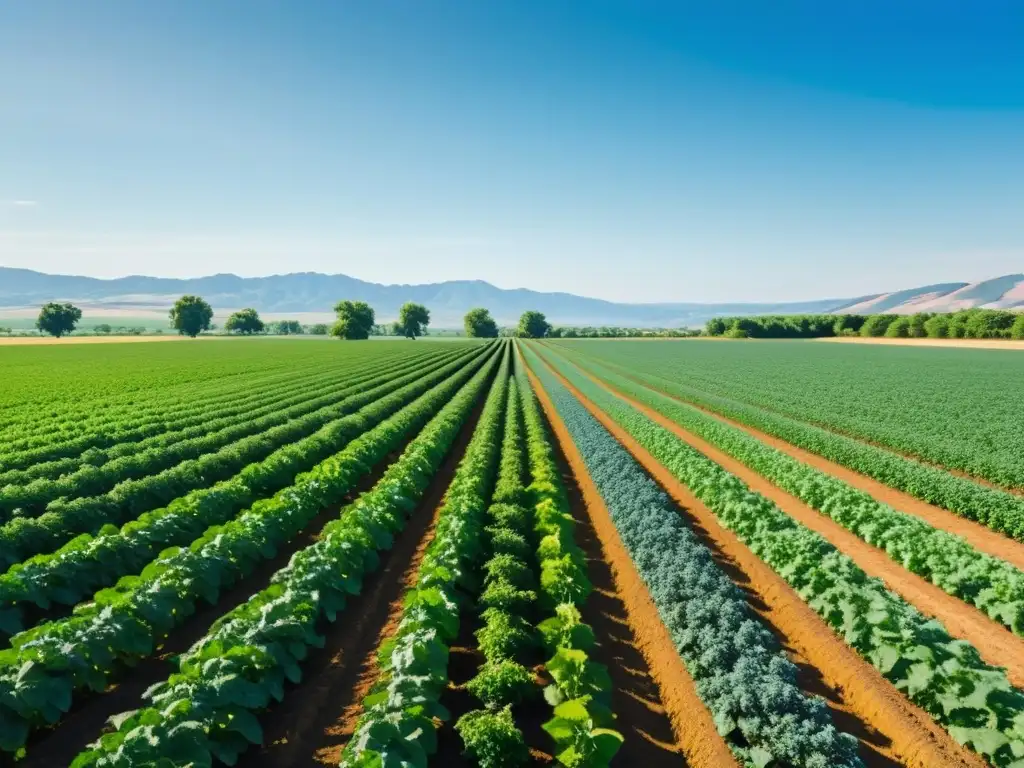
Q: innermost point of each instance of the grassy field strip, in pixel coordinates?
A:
(53, 456)
(27, 496)
(909, 400)
(23, 537)
(993, 586)
(740, 672)
(945, 677)
(999, 510)
(130, 620)
(87, 563)
(208, 708)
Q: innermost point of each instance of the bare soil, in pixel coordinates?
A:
(889, 726)
(964, 343)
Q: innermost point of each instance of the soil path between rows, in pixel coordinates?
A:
(318, 717)
(980, 537)
(88, 718)
(915, 739)
(638, 701)
(996, 644)
(692, 726)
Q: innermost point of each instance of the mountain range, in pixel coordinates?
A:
(312, 292)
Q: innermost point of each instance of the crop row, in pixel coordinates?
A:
(46, 665)
(399, 712)
(23, 537)
(581, 688)
(738, 668)
(909, 400)
(89, 480)
(88, 420)
(87, 563)
(990, 584)
(947, 678)
(110, 440)
(208, 708)
(1000, 510)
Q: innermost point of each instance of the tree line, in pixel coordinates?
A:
(964, 324)
(191, 315)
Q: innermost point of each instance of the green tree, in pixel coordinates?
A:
(937, 327)
(876, 325)
(190, 315)
(989, 324)
(355, 320)
(319, 329)
(1016, 330)
(533, 325)
(102, 328)
(480, 325)
(899, 328)
(412, 320)
(58, 319)
(245, 321)
(917, 325)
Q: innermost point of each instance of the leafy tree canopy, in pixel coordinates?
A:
(480, 325)
(533, 325)
(412, 320)
(244, 321)
(58, 319)
(355, 320)
(190, 315)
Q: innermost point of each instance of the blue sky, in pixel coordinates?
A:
(635, 151)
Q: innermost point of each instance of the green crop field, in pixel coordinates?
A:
(510, 553)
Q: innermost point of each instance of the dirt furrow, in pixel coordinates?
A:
(996, 644)
(317, 718)
(980, 537)
(648, 653)
(914, 738)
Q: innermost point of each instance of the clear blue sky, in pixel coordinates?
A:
(634, 151)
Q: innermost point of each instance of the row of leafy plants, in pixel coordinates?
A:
(88, 562)
(1000, 510)
(48, 431)
(946, 677)
(403, 709)
(580, 691)
(23, 537)
(988, 583)
(301, 412)
(47, 664)
(741, 674)
(204, 417)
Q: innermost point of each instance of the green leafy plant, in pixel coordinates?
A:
(492, 738)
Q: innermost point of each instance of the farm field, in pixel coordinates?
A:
(581, 553)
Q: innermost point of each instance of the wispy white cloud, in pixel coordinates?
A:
(24, 203)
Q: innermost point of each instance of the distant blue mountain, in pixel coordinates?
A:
(315, 292)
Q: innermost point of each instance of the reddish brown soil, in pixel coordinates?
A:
(693, 730)
(997, 645)
(914, 738)
(316, 720)
(980, 537)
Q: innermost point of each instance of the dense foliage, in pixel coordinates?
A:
(191, 315)
(58, 319)
(533, 325)
(413, 320)
(244, 321)
(966, 324)
(479, 324)
(355, 320)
